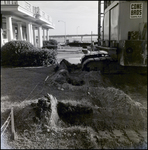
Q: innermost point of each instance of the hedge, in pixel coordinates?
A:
(51, 44)
(23, 53)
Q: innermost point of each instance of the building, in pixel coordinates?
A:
(22, 21)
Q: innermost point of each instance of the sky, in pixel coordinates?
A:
(80, 17)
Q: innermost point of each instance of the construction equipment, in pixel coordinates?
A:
(122, 46)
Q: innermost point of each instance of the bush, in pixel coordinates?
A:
(51, 44)
(77, 44)
(22, 54)
(47, 56)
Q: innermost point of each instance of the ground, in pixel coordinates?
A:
(89, 110)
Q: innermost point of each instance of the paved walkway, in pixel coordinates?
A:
(71, 54)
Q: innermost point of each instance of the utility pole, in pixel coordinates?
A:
(65, 28)
(77, 30)
(99, 21)
(91, 36)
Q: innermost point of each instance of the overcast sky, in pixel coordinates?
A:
(81, 17)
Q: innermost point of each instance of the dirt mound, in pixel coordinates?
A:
(120, 108)
(64, 64)
(100, 116)
(63, 74)
(98, 126)
(113, 104)
(95, 79)
(113, 107)
(31, 114)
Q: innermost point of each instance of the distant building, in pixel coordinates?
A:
(22, 21)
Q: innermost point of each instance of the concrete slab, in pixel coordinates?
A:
(71, 55)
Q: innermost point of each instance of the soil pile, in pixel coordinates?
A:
(53, 124)
(113, 108)
(37, 112)
(112, 102)
(103, 117)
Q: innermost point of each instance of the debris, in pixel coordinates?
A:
(59, 88)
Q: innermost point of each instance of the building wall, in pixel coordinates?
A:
(119, 21)
(20, 21)
(128, 23)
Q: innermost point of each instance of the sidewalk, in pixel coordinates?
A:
(71, 54)
(69, 49)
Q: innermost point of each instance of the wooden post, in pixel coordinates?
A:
(12, 125)
(54, 115)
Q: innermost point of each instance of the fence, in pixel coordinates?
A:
(10, 117)
(6, 123)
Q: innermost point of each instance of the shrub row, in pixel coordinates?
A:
(79, 44)
(23, 54)
(51, 44)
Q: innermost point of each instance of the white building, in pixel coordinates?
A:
(22, 21)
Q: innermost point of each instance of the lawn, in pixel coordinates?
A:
(17, 84)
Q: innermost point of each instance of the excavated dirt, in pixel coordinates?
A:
(107, 112)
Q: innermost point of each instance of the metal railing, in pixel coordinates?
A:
(24, 4)
(42, 15)
(8, 2)
(35, 11)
